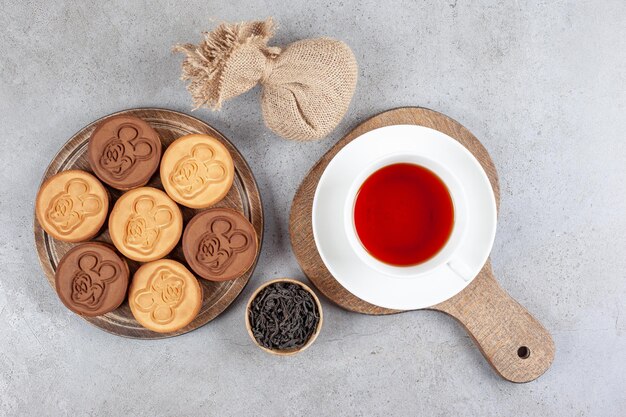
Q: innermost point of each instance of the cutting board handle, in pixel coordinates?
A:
(518, 347)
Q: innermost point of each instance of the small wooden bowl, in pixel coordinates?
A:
(313, 336)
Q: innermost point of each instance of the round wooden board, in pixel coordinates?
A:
(516, 345)
(244, 196)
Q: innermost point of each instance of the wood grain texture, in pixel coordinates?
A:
(496, 322)
(244, 196)
(516, 345)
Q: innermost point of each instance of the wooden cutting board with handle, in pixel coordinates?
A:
(518, 347)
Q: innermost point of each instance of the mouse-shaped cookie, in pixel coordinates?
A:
(197, 171)
(218, 247)
(124, 152)
(145, 224)
(194, 173)
(72, 206)
(164, 296)
(220, 244)
(91, 279)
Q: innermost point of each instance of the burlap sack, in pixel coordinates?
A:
(307, 87)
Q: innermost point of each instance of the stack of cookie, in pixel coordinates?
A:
(145, 224)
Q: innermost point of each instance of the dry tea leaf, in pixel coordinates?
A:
(283, 316)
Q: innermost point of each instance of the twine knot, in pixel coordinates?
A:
(267, 70)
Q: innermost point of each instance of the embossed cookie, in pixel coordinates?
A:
(220, 244)
(145, 224)
(164, 296)
(92, 279)
(124, 152)
(72, 206)
(197, 171)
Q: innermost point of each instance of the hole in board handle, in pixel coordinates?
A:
(523, 352)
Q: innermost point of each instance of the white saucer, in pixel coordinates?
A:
(376, 287)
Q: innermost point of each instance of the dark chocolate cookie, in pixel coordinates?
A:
(92, 279)
(220, 244)
(124, 152)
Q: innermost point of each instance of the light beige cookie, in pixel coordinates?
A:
(145, 224)
(197, 171)
(164, 296)
(72, 206)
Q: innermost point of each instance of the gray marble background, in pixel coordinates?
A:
(541, 83)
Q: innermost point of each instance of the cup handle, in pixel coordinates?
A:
(518, 347)
(460, 269)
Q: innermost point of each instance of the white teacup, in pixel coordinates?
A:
(446, 254)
